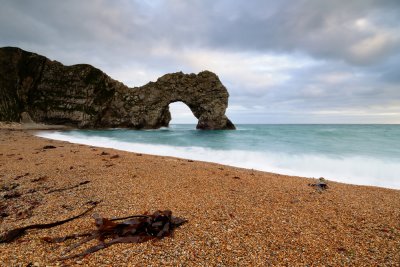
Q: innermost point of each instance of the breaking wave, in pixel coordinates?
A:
(361, 170)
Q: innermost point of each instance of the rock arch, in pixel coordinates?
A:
(203, 93)
(85, 97)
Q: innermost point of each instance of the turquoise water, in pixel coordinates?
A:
(357, 154)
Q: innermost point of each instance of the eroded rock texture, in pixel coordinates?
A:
(85, 97)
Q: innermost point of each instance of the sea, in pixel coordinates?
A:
(354, 154)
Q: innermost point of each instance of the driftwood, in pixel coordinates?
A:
(138, 229)
(68, 188)
(18, 232)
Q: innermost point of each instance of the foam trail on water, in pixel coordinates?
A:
(359, 170)
(355, 170)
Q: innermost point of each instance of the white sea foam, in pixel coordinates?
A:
(354, 170)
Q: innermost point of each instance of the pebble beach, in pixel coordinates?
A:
(236, 217)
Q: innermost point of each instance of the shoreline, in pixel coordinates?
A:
(211, 162)
(236, 216)
(331, 168)
(36, 128)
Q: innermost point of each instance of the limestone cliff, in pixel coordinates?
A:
(85, 97)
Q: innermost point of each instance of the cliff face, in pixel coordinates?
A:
(85, 97)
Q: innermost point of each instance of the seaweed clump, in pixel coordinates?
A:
(133, 229)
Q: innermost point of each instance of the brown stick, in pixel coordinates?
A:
(67, 188)
(18, 232)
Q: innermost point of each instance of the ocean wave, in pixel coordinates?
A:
(359, 170)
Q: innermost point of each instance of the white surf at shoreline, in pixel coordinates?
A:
(359, 170)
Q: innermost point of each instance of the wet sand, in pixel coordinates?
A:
(237, 217)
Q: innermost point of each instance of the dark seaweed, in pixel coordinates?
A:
(137, 229)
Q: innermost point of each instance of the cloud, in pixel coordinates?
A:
(359, 32)
(282, 61)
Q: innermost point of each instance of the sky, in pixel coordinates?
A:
(303, 61)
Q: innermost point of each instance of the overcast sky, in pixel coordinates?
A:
(303, 61)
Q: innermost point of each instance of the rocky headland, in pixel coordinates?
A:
(35, 88)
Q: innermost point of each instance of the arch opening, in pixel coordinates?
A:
(181, 114)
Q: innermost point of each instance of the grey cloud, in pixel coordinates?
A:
(323, 29)
(361, 92)
(320, 28)
(123, 35)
